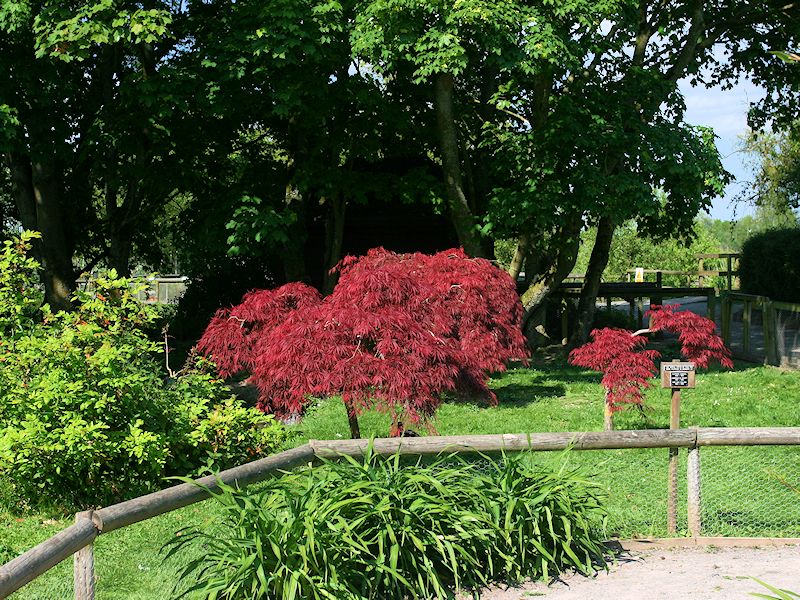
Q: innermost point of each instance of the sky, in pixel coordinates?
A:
(726, 112)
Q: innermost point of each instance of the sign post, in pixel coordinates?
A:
(675, 375)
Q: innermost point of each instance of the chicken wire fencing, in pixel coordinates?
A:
(750, 491)
(745, 491)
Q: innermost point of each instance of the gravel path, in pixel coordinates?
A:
(694, 573)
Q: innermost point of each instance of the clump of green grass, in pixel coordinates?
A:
(380, 528)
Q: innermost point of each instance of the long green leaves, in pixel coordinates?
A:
(381, 528)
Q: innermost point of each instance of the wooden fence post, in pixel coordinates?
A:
(747, 313)
(83, 565)
(672, 485)
(693, 501)
(711, 305)
(725, 318)
(769, 324)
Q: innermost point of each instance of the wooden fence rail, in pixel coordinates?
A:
(78, 538)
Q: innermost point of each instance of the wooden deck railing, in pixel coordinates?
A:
(78, 538)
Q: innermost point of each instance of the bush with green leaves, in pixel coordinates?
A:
(387, 528)
(87, 415)
(769, 265)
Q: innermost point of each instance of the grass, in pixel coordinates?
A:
(548, 396)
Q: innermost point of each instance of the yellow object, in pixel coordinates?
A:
(639, 276)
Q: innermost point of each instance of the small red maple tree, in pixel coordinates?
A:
(628, 367)
(233, 335)
(398, 331)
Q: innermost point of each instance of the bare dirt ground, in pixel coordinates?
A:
(703, 573)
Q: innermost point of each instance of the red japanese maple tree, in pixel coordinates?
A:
(628, 367)
(398, 331)
(233, 335)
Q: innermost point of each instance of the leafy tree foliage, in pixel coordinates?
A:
(520, 120)
(628, 367)
(397, 332)
(776, 156)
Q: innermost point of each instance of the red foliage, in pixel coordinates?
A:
(620, 356)
(381, 358)
(697, 335)
(627, 367)
(467, 302)
(397, 331)
(232, 337)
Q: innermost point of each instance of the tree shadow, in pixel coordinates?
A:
(516, 394)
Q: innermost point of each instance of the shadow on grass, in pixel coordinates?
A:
(517, 394)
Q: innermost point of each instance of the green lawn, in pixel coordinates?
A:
(740, 490)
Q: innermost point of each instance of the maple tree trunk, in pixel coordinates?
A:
(591, 284)
(352, 420)
(460, 212)
(608, 417)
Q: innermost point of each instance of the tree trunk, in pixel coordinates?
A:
(591, 283)
(515, 268)
(334, 237)
(460, 213)
(547, 278)
(119, 253)
(22, 189)
(58, 275)
(608, 417)
(352, 420)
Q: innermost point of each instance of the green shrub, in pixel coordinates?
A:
(20, 296)
(770, 265)
(87, 415)
(379, 528)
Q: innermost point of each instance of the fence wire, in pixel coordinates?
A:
(751, 491)
(745, 491)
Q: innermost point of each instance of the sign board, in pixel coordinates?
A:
(638, 275)
(677, 374)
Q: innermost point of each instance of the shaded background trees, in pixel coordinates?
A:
(254, 143)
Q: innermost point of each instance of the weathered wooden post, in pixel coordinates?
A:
(676, 376)
(747, 313)
(83, 565)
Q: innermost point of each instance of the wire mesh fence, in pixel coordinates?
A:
(745, 491)
(751, 491)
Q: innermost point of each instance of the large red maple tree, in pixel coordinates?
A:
(628, 366)
(398, 332)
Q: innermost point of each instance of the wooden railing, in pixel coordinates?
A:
(729, 273)
(769, 325)
(78, 539)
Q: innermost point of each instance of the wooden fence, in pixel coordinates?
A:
(773, 348)
(78, 539)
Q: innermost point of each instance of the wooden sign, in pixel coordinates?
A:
(677, 375)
